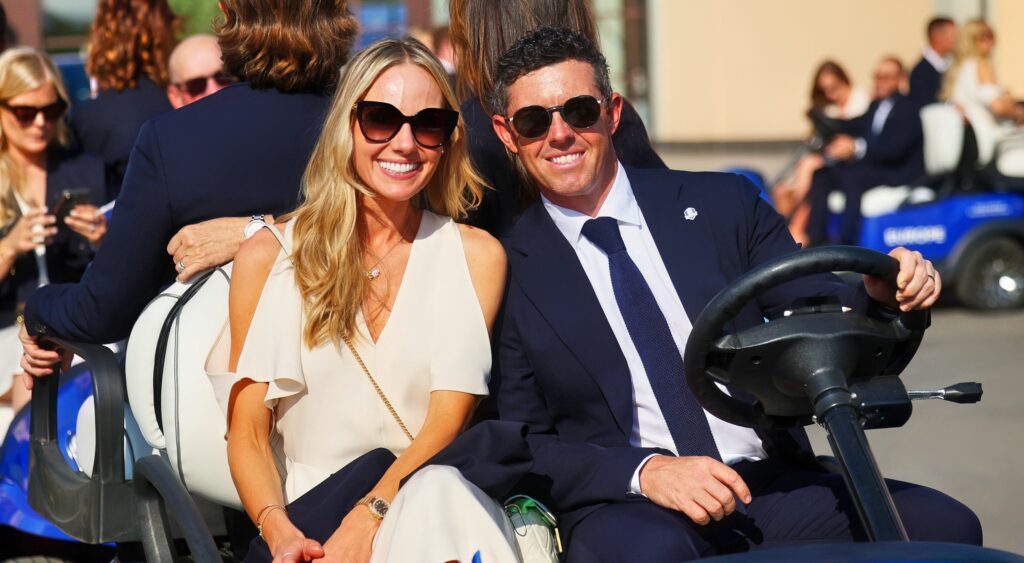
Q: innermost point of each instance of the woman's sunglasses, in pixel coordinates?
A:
(533, 122)
(27, 114)
(200, 85)
(380, 122)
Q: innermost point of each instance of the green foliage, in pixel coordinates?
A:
(196, 15)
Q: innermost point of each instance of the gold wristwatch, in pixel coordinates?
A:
(378, 506)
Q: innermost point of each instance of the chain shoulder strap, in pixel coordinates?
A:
(380, 392)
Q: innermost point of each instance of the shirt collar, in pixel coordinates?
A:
(620, 204)
(941, 64)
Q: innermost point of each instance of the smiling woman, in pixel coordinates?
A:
(367, 311)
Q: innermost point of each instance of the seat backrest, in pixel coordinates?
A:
(174, 404)
(943, 128)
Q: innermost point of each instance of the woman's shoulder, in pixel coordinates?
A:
(485, 256)
(260, 251)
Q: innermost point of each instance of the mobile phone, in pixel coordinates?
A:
(68, 200)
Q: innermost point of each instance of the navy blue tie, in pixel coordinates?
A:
(653, 340)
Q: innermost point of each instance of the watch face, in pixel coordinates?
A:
(379, 507)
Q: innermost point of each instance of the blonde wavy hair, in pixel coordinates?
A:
(967, 48)
(328, 250)
(23, 69)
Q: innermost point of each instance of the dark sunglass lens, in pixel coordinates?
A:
(54, 111)
(433, 127)
(379, 122)
(532, 121)
(25, 114)
(223, 79)
(195, 86)
(582, 111)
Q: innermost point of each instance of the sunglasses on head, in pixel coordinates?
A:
(380, 122)
(533, 122)
(27, 114)
(201, 84)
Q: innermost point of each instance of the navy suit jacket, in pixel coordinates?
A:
(925, 83)
(896, 153)
(238, 152)
(561, 369)
(109, 124)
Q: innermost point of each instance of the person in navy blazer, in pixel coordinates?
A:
(237, 153)
(568, 366)
(885, 147)
(926, 76)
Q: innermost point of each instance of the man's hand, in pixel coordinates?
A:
(842, 147)
(353, 541)
(702, 488)
(37, 361)
(918, 285)
(205, 245)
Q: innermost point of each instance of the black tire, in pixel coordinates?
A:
(36, 559)
(991, 276)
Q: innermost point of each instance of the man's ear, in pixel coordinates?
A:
(502, 130)
(615, 110)
(174, 96)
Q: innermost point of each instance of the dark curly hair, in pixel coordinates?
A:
(287, 45)
(545, 47)
(130, 39)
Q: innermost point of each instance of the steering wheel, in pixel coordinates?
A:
(785, 364)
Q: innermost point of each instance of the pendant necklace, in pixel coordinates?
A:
(374, 271)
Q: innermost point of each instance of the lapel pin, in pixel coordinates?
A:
(690, 214)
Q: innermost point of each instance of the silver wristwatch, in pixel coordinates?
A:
(256, 222)
(378, 506)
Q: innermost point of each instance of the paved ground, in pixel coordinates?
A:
(972, 452)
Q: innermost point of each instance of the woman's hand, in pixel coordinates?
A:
(298, 550)
(353, 541)
(87, 221)
(31, 230)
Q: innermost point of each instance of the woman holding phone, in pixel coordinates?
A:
(49, 224)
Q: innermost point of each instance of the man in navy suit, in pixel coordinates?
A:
(606, 271)
(885, 147)
(926, 77)
(238, 153)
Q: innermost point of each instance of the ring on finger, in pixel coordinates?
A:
(931, 277)
(181, 266)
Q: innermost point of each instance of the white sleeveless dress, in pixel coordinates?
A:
(997, 139)
(326, 412)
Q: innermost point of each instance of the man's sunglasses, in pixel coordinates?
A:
(380, 122)
(533, 122)
(201, 84)
(27, 114)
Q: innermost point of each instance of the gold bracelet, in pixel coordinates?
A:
(261, 518)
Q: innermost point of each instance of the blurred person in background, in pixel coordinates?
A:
(129, 45)
(197, 175)
(42, 239)
(991, 110)
(885, 146)
(926, 77)
(442, 48)
(834, 101)
(196, 70)
(481, 30)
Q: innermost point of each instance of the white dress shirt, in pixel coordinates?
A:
(650, 430)
(937, 61)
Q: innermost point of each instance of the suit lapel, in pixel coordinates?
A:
(550, 274)
(682, 235)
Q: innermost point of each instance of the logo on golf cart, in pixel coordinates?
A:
(907, 236)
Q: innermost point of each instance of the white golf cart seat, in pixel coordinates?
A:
(943, 128)
(181, 422)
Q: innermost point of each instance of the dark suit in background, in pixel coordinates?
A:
(108, 125)
(563, 373)
(238, 152)
(502, 205)
(893, 156)
(68, 253)
(925, 83)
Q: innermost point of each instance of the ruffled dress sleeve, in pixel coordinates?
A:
(272, 352)
(461, 347)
